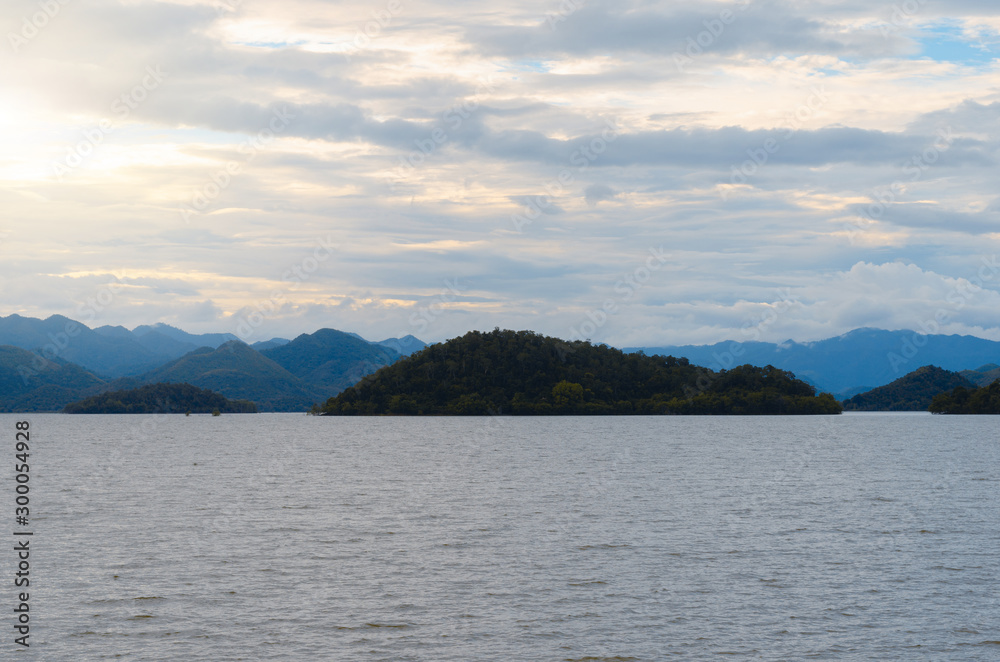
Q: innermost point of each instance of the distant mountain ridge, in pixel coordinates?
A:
(212, 340)
(404, 346)
(857, 361)
(63, 338)
(47, 364)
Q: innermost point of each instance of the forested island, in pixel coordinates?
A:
(983, 400)
(161, 399)
(525, 373)
(912, 392)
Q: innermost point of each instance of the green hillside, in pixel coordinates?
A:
(524, 373)
(331, 360)
(983, 375)
(239, 372)
(29, 382)
(161, 399)
(912, 392)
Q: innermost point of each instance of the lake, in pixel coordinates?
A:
(280, 536)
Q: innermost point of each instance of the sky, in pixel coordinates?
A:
(633, 172)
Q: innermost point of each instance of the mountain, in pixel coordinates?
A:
(331, 360)
(238, 372)
(29, 382)
(161, 399)
(522, 372)
(213, 340)
(912, 392)
(862, 358)
(404, 346)
(164, 347)
(983, 375)
(113, 331)
(106, 354)
(270, 344)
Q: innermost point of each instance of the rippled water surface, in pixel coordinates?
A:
(267, 537)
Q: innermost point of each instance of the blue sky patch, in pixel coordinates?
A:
(948, 44)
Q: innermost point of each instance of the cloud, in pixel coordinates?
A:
(410, 152)
(595, 193)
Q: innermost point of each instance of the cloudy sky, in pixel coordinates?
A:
(634, 172)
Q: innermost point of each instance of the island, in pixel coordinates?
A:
(525, 373)
(983, 400)
(161, 399)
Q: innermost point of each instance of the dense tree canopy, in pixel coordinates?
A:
(521, 372)
(912, 392)
(161, 399)
(984, 400)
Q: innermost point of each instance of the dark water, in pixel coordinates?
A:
(861, 537)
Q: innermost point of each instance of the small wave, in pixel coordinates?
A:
(399, 626)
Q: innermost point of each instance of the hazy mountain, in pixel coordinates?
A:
(165, 347)
(270, 344)
(331, 360)
(404, 346)
(239, 372)
(30, 383)
(983, 375)
(108, 354)
(113, 331)
(912, 392)
(864, 357)
(212, 340)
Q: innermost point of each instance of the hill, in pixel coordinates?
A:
(983, 400)
(29, 382)
(331, 360)
(912, 392)
(161, 399)
(521, 372)
(983, 375)
(240, 372)
(862, 358)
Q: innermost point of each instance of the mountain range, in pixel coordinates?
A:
(849, 364)
(46, 364)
